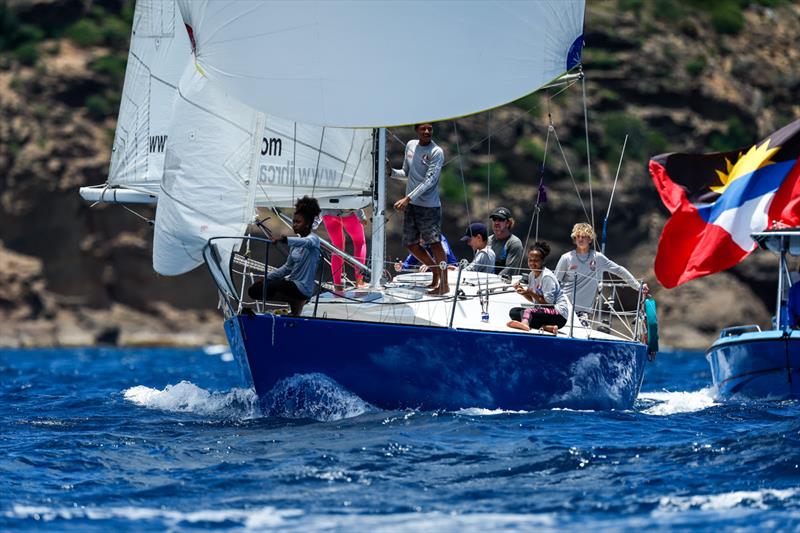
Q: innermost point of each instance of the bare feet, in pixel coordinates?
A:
(434, 284)
(516, 324)
(441, 290)
(550, 329)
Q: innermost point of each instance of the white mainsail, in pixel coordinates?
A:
(370, 64)
(159, 52)
(208, 188)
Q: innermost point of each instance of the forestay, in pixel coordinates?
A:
(368, 64)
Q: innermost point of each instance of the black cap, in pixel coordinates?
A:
(476, 228)
(503, 213)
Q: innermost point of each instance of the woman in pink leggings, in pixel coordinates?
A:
(351, 221)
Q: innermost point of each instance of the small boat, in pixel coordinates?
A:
(749, 362)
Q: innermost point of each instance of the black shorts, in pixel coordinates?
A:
(538, 316)
(281, 290)
(422, 223)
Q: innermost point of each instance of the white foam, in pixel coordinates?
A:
(589, 380)
(477, 411)
(186, 397)
(670, 403)
(220, 350)
(249, 519)
(755, 499)
(292, 519)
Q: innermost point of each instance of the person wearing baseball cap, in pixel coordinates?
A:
(476, 237)
(507, 247)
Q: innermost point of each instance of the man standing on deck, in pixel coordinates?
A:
(507, 247)
(422, 166)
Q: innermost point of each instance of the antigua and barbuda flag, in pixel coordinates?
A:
(717, 200)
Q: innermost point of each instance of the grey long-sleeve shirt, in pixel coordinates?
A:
(301, 266)
(508, 254)
(483, 261)
(422, 166)
(587, 271)
(547, 285)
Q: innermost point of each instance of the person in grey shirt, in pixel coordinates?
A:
(507, 247)
(581, 270)
(422, 167)
(552, 309)
(476, 238)
(294, 281)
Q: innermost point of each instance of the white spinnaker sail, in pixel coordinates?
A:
(208, 188)
(334, 165)
(367, 64)
(159, 52)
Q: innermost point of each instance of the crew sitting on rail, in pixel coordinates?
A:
(552, 307)
(294, 281)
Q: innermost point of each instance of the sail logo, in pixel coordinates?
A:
(157, 143)
(290, 174)
(271, 146)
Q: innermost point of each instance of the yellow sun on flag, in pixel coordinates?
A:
(755, 158)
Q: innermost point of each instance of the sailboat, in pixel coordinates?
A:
(317, 73)
(749, 362)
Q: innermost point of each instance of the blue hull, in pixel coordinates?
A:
(758, 365)
(401, 366)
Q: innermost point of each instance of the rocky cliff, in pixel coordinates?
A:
(674, 76)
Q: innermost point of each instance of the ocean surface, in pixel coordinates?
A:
(165, 439)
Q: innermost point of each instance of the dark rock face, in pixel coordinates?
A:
(74, 274)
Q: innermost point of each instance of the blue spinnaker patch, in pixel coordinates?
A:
(574, 53)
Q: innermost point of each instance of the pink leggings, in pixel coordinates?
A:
(352, 225)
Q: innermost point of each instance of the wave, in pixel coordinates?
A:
(314, 396)
(478, 411)
(755, 499)
(669, 403)
(220, 350)
(288, 519)
(249, 519)
(186, 397)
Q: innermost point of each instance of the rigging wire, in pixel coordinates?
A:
(461, 171)
(489, 164)
(537, 206)
(588, 151)
(611, 199)
(569, 171)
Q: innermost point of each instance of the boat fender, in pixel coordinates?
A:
(652, 325)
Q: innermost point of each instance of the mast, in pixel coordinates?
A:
(378, 210)
(781, 270)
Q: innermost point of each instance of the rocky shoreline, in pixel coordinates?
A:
(75, 275)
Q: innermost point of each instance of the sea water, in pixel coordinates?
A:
(156, 439)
